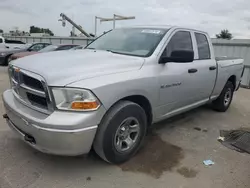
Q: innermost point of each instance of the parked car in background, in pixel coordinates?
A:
(10, 44)
(78, 47)
(48, 48)
(5, 54)
(107, 95)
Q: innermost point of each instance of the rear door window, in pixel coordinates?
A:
(203, 46)
(1, 40)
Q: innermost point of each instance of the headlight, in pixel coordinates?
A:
(2, 54)
(75, 99)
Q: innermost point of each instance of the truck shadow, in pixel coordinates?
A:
(179, 120)
(157, 155)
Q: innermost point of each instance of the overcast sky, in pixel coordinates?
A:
(209, 15)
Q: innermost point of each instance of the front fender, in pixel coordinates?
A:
(111, 88)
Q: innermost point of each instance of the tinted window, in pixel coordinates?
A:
(1, 40)
(203, 46)
(130, 41)
(13, 41)
(36, 47)
(49, 48)
(64, 47)
(78, 48)
(181, 40)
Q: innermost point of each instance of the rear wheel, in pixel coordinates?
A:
(121, 132)
(223, 102)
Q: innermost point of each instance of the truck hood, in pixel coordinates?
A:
(65, 67)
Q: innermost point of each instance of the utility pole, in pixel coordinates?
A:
(114, 21)
(73, 28)
(96, 18)
(115, 17)
(96, 24)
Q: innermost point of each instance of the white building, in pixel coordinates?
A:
(39, 35)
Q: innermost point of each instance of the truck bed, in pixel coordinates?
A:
(222, 58)
(229, 61)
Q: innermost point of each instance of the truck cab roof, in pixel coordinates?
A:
(172, 27)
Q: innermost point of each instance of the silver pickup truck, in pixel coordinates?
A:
(107, 95)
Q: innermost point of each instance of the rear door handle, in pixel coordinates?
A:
(192, 70)
(212, 68)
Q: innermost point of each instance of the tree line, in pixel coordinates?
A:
(34, 29)
(224, 34)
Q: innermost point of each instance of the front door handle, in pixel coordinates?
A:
(192, 70)
(212, 68)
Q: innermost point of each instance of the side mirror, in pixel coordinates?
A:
(178, 56)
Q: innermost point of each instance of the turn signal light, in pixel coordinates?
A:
(80, 105)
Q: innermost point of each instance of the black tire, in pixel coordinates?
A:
(7, 60)
(220, 103)
(104, 143)
(4, 61)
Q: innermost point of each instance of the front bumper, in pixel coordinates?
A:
(60, 133)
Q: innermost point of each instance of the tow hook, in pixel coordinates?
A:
(29, 139)
(5, 116)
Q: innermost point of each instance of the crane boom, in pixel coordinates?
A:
(64, 17)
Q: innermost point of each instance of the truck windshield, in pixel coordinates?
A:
(130, 41)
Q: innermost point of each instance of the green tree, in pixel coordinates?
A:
(1, 31)
(224, 34)
(34, 29)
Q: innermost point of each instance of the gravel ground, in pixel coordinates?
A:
(171, 157)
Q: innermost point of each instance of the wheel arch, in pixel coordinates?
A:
(232, 79)
(142, 101)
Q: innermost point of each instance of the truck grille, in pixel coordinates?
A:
(32, 82)
(37, 100)
(30, 89)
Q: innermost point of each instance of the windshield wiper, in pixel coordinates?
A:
(110, 51)
(114, 52)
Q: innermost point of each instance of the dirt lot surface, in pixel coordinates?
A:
(171, 157)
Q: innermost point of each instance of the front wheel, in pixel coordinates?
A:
(121, 132)
(223, 102)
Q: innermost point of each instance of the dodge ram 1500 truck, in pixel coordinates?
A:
(108, 94)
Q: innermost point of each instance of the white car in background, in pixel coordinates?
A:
(78, 47)
(11, 44)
